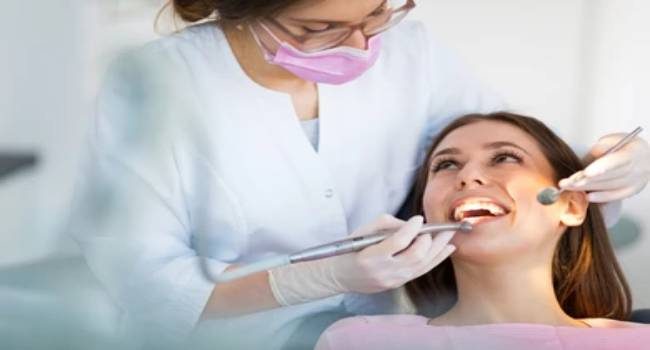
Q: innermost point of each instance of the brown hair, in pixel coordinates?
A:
(587, 279)
(231, 10)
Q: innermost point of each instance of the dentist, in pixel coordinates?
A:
(313, 117)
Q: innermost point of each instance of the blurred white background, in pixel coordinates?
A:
(580, 65)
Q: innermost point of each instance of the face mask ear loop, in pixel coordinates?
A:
(267, 53)
(270, 32)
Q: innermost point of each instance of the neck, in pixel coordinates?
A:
(251, 58)
(512, 292)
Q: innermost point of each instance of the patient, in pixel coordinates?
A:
(528, 276)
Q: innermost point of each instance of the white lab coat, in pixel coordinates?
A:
(202, 153)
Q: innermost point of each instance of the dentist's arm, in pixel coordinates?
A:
(386, 265)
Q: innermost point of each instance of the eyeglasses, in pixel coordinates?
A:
(391, 13)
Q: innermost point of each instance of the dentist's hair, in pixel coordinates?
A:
(232, 10)
(587, 278)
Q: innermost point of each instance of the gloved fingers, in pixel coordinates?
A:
(604, 185)
(388, 221)
(437, 244)
(383, 222)
(602, 169)
(400, 240)
(636, 152)
(446, 251)
(603, 145)
(614, 195)
(622, 173)
(618, 172)
(416, 252)
(564, 183)
(619, 159)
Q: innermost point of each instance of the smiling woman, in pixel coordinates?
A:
(503, 159)
(527, 275)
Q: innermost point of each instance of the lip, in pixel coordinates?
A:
(475, 198)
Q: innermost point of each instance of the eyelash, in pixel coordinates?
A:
(311, 31)
(437, 166)
(380, 10)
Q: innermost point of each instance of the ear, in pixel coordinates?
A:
(575, 208)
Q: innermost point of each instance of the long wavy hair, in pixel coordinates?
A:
(587, 278)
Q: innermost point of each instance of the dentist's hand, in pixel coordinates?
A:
(383, 266)
(616, 176)
(393, 262)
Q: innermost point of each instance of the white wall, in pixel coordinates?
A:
(528, 50)
(578, 64)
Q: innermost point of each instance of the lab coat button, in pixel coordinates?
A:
(329, 193)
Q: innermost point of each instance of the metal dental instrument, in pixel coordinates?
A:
(344, 246)
(550, 195)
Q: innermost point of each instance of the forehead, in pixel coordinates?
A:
(477, 134)
(472, 138)
(335, 10)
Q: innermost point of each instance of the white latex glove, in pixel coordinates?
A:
(616, 176)
(386, 265)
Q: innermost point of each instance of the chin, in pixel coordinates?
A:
(488, 241)
(481, 252)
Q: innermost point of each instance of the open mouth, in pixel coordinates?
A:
(476, 210)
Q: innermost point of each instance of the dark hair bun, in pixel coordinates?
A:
(194, 10)
(235, 10)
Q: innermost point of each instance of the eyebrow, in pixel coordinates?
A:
(499, 144)
(490, 145)
(334, 22)
(451, 150)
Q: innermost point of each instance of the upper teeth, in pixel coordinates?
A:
(494, 209)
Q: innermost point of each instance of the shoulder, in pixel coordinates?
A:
(353, 325)
(167, 62)
(381, 320)
(204, 40)
(195, 38)
(610, 323)
(186, 48)
(364, 331)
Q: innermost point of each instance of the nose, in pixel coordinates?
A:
(356, 40)
(470, 177)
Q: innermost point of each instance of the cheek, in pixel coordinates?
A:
(429, 204)
(532, 218)
(432, 201)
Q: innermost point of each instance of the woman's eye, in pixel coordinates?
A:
(445, 165)
(506, 158)
(316, 29)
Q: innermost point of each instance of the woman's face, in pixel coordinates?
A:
(489, 173)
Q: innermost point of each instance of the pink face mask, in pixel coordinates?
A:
(336, 66)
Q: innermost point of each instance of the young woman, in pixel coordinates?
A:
(308, 119)
(527, 275)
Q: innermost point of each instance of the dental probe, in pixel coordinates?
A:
(344, 246)
(550, 195)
